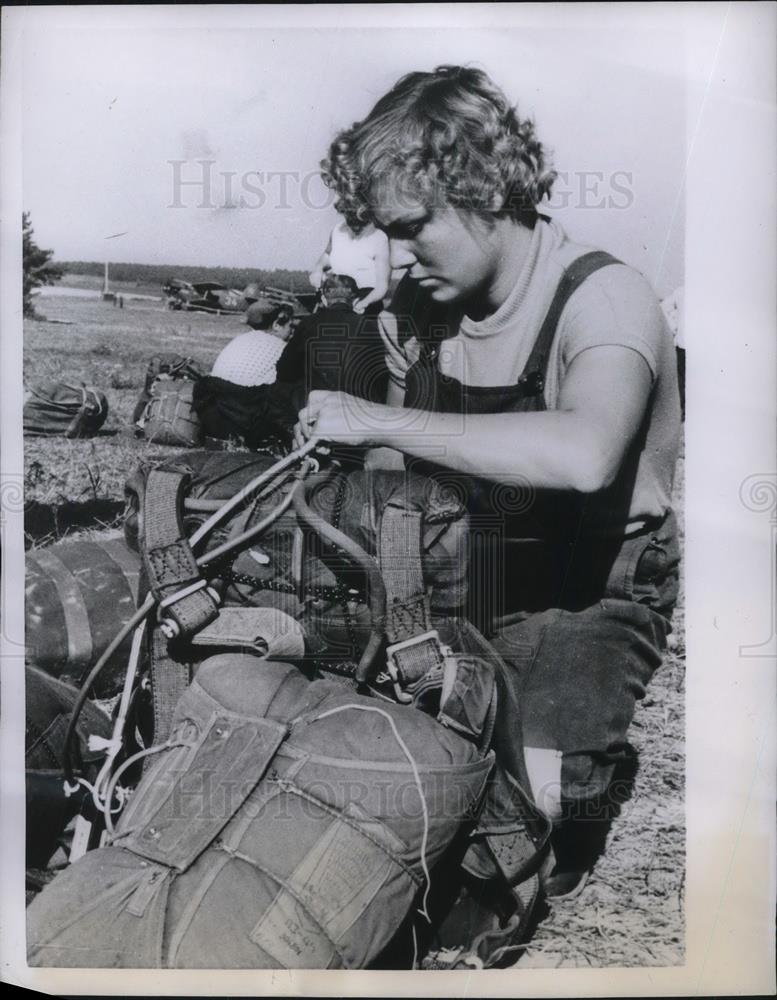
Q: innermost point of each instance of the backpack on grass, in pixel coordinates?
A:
(164, 412)
(57, 409)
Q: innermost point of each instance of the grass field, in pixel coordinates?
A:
(631, 911)
(109, 348)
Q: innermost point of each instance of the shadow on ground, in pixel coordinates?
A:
(45, 523)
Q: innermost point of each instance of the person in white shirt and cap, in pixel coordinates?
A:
(251, 358)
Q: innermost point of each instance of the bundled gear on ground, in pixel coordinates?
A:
(58, 409)
(164, 412)
(326, 791)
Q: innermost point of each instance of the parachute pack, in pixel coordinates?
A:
(164, 412)
(314, 781)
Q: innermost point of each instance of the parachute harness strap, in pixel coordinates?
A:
(71, 752)
(184, 603)
(172, 570)
(415, 649)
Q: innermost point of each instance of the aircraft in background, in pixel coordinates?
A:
(210, 296)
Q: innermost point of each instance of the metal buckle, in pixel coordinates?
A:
(169, 627)
(431, 636)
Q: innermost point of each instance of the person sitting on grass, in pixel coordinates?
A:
(241, 399)
(251, 358)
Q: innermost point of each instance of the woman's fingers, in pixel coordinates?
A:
(335, 416)
(299, 436)
(308, 416)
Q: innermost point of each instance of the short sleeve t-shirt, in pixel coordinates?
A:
(250, 359)
(614, 306)
(354, 254)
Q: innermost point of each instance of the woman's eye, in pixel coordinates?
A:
(405, 230)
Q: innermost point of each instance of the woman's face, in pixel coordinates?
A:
(452, 253)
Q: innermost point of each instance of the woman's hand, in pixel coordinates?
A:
(338, 417)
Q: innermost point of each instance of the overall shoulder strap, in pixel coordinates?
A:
(574, 276)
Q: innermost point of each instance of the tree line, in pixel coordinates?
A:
(158, 274)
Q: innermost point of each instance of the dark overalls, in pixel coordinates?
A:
(580, 615)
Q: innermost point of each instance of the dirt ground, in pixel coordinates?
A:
(631, 911)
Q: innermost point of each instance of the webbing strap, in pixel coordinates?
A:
(408, 613)
(80, 650)
(167, 556)
(399, 556)
(170, 566)
(417, 653)
(169, 680)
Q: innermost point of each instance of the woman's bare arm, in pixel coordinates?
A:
(382, 279)
(579, 446)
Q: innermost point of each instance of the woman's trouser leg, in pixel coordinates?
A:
(574, 679)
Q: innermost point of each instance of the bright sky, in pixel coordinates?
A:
(112, 97)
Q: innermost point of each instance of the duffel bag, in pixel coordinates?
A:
(78, 595)
(57, 409)
(285, 824)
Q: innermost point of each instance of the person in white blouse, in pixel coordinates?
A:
(363, 256)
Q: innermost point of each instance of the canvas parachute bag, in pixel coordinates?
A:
(77, 595)
(164, 412)
(58, 409)
(362, 783)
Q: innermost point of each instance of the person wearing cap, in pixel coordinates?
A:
(336, 347)
(241, 399)
(251, 358)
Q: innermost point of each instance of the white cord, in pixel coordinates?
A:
(294, 456)
(116, 742)
(425, 838)
(109, 792)
(72, 789)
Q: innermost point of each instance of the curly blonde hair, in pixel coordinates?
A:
(445, 137)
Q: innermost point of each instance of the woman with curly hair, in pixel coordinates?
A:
(540, 374)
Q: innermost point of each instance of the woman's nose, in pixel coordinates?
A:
(400, 254)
